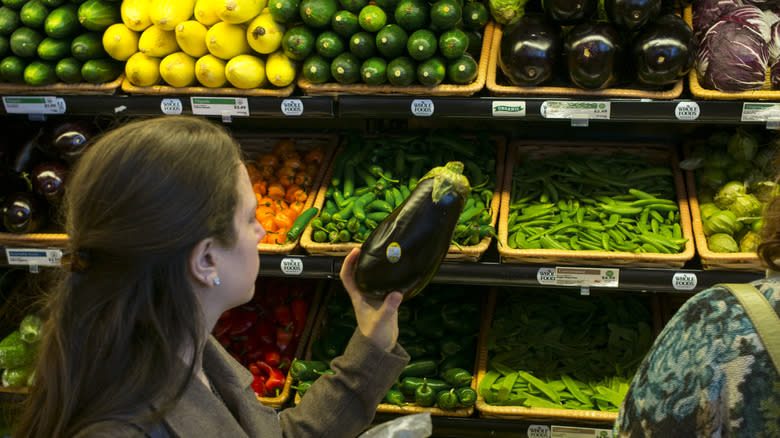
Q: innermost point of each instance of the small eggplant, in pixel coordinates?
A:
(530, 50)
(568, 12)
(664, 51)
(68, 140)
(594, 55)
(405, 250)
(632, 15)
(23, 213)
(48, 180)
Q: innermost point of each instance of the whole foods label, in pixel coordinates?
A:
(760, 112)
(684, 281)
(579, 432)
(291, 266)
(171, 107)
(393, 252)
(538, 431)
(292, 107)
(422, 107)
(546, 276)
(569, 109)
(583, 277)
(219, 106)
(34, 105)
(687, 111)
(33, 256)
(509, 108)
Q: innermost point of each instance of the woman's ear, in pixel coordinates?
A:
(201, 263)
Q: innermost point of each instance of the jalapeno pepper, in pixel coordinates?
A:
(307, 369)
(457, 377)
(410, 384)
(424, 395)
(300, 223)
(395, 397)
(302, 387)
(466, 396)
(447, 399)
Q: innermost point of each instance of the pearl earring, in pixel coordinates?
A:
(216, 281)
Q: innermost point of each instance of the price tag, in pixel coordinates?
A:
(538, 431)
(684, 281)
(422, 107)
(33, 256)
(171, 107)
(292, 107)
(581, 277)
(291, 266)
(34, 105)
(760, 112)
(509, 108)
(687, 111)
(579, 432)
(568, 109)
(220, 106)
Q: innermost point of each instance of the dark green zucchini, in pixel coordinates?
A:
(405, 250)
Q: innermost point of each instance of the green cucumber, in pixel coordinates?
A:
(39, 73)
(98, 71)
(24, 42)
(9, 20)
(53, 49)
(88, 46)
(97, 15)
(12, 69)
(62, 22)
(33, 14)
(68, 70)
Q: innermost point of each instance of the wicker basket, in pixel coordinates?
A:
(463, 253)
(127, 87)
(503, 88)
(653, 152)
(439, 90)
(62, 88)
(34, 240)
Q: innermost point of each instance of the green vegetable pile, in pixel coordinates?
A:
(578, 202)
(565, 352)
(374, 176)
(17, 353)
(438, 328)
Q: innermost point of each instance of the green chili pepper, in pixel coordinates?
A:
(467, 397)
(349, 181)
(410, 384)
(300, 223)
(424, 395)
(395, 397)
(344, 236)
(302, 386)
(379, 205)
(307, 369)
(447, 400)
(457, 377)
(319, 236)
(398, 198)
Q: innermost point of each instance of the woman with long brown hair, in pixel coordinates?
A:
(162, 235)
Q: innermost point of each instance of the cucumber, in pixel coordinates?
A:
(14, 4)
(97, 15)
(52, 49)
(9, 20)
(4, 45)
(39, 73)
(98, 71)
(53, 3)
(12, 69)
(24, 42)
(420, 368)
(33, 14)
(88, 46)
(68, 70)
(62, 22)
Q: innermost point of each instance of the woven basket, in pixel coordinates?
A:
(127, 87)
(62, 88)
(503, 88)
(465, 253)
(439, 90)
(34, 240)
(653, 152)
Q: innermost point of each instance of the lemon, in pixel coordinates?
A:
(264, 34)
(168, 13)
(142, 70)
(225, 40)
(120, 42)
(178, 69)
(135, 14)
(280, 69)
(210, 71)
(155, 41)
(206, 12)
(191, 37)
(239, 11)
(245, 71)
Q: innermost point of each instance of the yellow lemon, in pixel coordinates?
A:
(245, 71)
(239, 11)
(206, 12)
(168, 13)
(191, 37)
(120, 42)
(142, 70)
(178, 69)
(155, 41)
(225, 40)
(280, 69)
(135, 14)
(210, 71)
(264, 34)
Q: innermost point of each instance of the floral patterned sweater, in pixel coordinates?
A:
(707, 375)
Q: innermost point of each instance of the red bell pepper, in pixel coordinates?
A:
(258, 385)
(254, 369)
(284, 337)
(283, 315)
(299, 309)
(275, 381)
(273, 358)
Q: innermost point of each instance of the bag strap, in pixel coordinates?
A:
(764, 318)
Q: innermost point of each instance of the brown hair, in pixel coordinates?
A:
(137, 203)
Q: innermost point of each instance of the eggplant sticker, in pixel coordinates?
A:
(393, 252)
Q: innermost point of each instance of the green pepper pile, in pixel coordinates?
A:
(564, 352)
(577, 202)
(438, 328)
(18, 351)
(372, 177)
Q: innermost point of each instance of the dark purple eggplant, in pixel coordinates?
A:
(632, 15)
(23, 213)
(664, 51)
(568, 12)
(28, 154)
(530, 50)
(69, 139)
(48, 180)
(595, 55)
(405, 250)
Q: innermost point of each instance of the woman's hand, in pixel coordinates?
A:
(377, 320)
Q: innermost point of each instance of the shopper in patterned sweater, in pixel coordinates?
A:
(708, 373)
(160, 216)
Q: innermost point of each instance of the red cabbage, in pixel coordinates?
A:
(774, 75)
(751, 16)
(774, 43)
(707, 12)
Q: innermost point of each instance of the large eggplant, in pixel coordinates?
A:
(68, 140)
(530, 50)
(632, 15)
(664, 51)
(595, 55)
(23, 213)
(567, 12)
(405, 250)
(48, 180)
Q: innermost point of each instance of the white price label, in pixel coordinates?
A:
(33, 256)
(687, 111)
(422, 107)
(760, 112)
(538, 431)
(292, 107)
(579, 432)
(219, 106)
(684, 281)
(569, 109)
(546, 276)
(34, 105)
(582, 277)
(291, 266)
(171, 107)
(509, 108)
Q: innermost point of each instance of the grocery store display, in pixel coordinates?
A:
(50, 42)
(17, 353)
